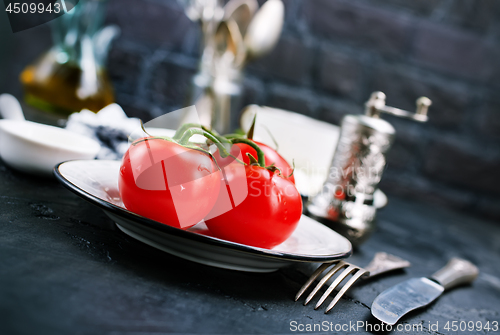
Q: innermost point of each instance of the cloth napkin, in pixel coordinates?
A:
(110, 127)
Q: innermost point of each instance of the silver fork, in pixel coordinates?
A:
(381, 263)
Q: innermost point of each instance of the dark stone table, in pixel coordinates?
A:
(66, 269)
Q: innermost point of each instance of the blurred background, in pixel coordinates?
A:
(331, 56)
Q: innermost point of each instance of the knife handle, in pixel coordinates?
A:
(457, 272)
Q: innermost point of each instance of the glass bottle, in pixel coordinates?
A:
(71, 75)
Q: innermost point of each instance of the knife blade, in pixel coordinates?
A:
(390, 305)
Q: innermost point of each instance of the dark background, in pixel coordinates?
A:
(331, 56)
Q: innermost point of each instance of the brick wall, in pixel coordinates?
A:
(331, 56)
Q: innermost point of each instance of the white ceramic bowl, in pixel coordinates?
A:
(36, 148)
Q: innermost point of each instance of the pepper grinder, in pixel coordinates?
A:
(346, 203)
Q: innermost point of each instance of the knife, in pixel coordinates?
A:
(390, 305)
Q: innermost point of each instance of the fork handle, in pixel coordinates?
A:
(457, 272)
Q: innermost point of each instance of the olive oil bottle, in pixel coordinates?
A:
(71, 76)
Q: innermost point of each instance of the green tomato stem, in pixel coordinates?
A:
(260, 153)
(196, 131)
(231, 136)
(182, 129)
(212, 132)
(252, 128)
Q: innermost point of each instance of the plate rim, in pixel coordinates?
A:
(187, 234)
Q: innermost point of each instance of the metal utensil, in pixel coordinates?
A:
(229, 56)
(381, 263)
(398, 300)
(265, 29)
(224, 41)
(242, 12)
(229, 47)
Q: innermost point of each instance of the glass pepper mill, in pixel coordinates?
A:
(346, 202)
(72, 74)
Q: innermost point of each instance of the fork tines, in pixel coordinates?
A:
(356, 271)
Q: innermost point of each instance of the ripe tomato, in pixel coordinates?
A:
(169, 183)
(266, 217)
(271, 157)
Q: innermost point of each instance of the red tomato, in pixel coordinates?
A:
(271, 156)
(266, 217)
(169, 183)
(233, 188)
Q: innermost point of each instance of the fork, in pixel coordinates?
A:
(381, 263)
